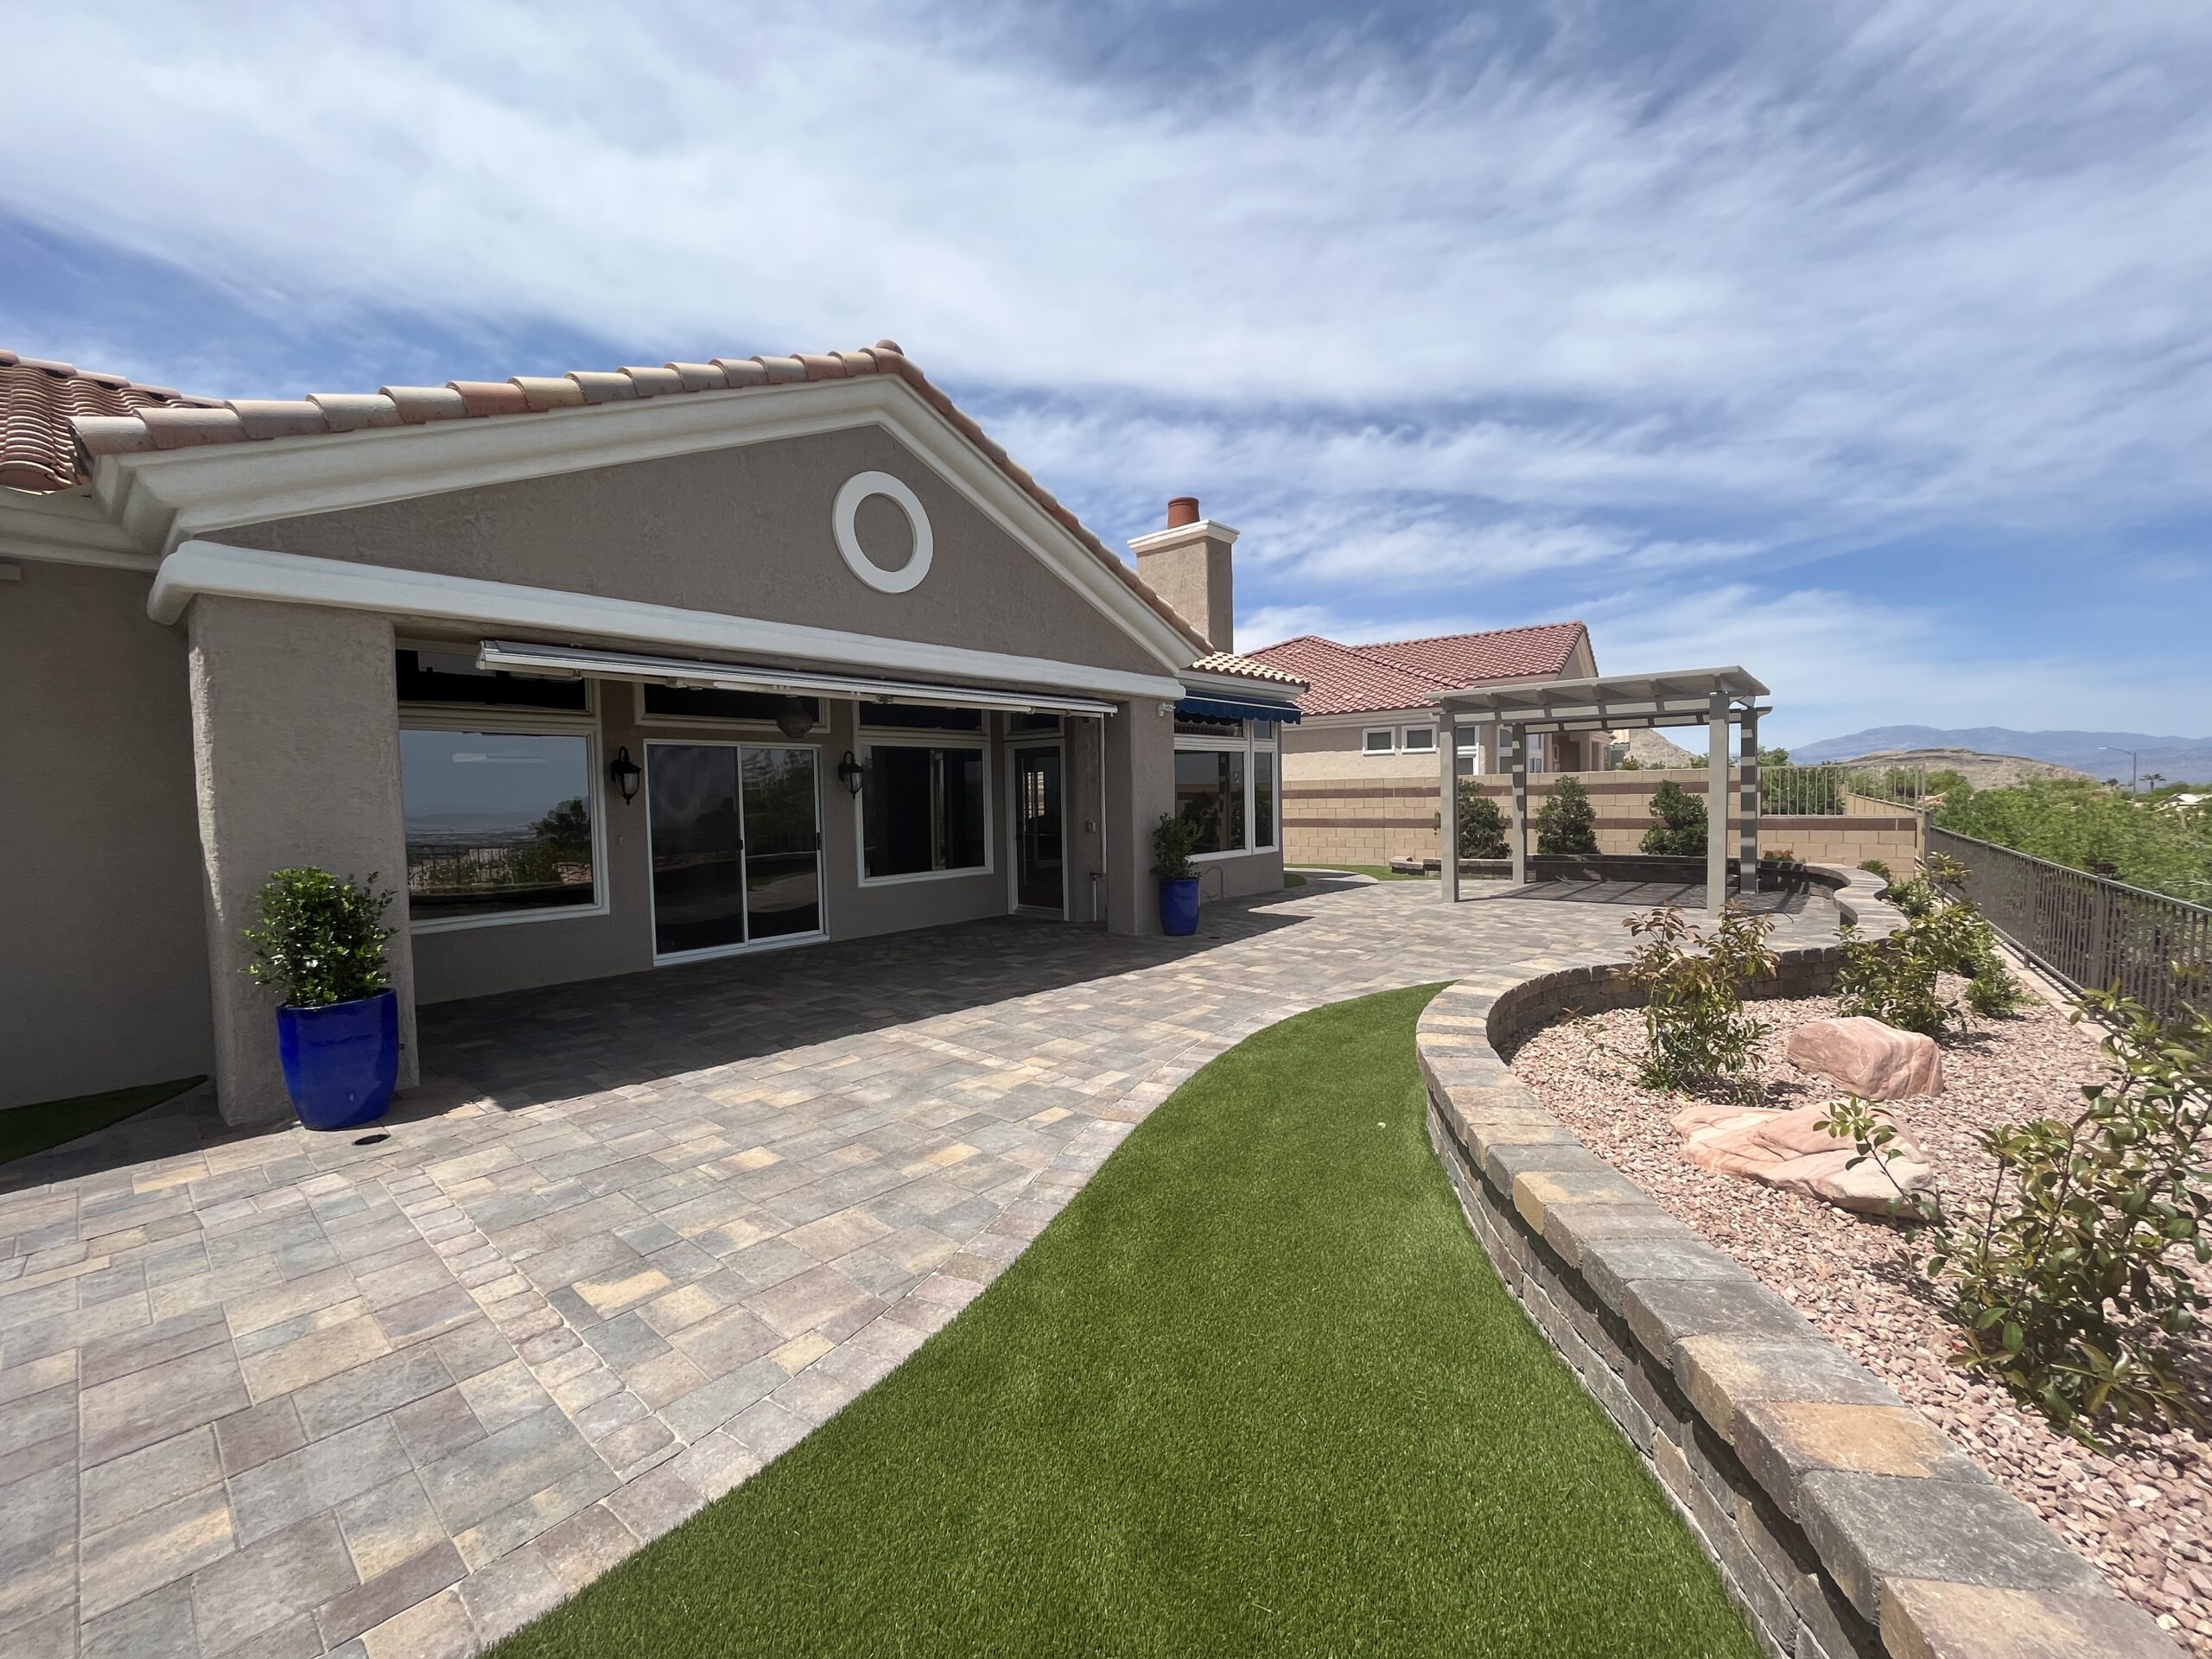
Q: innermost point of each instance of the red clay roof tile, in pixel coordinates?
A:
(1409, 673)
(53, 419)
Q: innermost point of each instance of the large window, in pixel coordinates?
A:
(499, 822)
(1226, 786)
(924, 810)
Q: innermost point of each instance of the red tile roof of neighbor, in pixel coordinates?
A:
(1409, 673)
(56, 421)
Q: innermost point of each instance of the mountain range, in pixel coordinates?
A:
(2102, 754)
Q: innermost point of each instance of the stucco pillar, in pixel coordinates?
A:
(1747, 807)
(1140, 790)
(1447, 817)
(1515, 745)
(296, 754)
(1716, 805)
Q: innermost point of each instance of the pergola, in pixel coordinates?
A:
(1713, 697)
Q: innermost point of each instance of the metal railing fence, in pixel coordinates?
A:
(2088, 930)
(1825, 792)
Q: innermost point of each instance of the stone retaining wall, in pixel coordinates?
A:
(1843, 1523)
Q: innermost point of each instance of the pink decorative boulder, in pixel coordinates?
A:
(1791, 1151)
(1872, 1060)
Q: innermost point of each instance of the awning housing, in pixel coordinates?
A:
(527, 659)
(1236, 708)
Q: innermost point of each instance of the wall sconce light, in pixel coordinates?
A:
(849, 773)
(625, 772)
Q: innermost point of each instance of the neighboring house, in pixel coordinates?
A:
(1360, 771)
(603, 671)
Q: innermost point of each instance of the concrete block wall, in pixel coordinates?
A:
(1371, 821)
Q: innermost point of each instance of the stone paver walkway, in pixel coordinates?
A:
(279, 1394)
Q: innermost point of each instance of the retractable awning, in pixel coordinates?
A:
(1238, 709)
(524, 658)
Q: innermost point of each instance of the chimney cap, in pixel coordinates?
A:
(1182, 510)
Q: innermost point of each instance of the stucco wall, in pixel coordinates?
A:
(744, 531)
(296, 753)
(103, 960)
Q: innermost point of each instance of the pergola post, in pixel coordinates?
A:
(1716, 805)
(1516, 763)
(1447, 817)
(1747, 804)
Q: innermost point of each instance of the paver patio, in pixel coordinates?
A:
(281, 1394)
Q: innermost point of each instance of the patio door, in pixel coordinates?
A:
(736, 846)
(1039, 849)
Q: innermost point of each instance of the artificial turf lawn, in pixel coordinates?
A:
(1380, 872)
(27, 1129)
(1255, 1390)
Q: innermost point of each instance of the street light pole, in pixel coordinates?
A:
(2131, 755)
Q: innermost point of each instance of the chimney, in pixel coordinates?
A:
(1187, 565)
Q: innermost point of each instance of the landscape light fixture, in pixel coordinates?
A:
(849, 773)
(625, 772)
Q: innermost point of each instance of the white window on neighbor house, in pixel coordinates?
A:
(1420, 739)
(1226, 785)
(1378, 739)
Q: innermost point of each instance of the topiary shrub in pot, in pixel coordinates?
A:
(1172, 839)
(320, 942)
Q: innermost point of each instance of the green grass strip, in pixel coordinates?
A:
(27, 1129)
(1380, 872)
(1257, 1390)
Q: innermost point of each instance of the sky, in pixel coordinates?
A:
(1867, 347)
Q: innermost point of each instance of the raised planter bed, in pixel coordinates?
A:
(1842, 1521)
(1633, 867)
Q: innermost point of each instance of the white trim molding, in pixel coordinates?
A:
(166, 497)
(844, 523)
(200, 568)
(67, 527)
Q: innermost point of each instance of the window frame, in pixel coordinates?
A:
(1250, 745)
(743, 947)
(1388, 733)
(1406, 745)
(470, 717)
(985, 741)
(815, 735)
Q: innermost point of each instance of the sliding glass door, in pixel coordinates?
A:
(736, 845)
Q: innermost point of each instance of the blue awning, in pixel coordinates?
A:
(1234, 708)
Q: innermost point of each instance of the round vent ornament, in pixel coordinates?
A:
(857, 489)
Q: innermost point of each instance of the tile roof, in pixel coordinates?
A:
(68, 421)
(1249, 667)
(38, 399)
(1409, 673)
(1344, 681)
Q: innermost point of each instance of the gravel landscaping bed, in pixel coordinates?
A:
(2143, 1515)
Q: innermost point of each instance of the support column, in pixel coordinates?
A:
(1139, 789)
(296, 748)
(1747, 807)
(1516, 765)
(1447, 817)
(1716, 805)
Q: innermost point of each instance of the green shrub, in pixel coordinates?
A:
(1482, 823)
(1875, 867)
(1895, 979)
(2076, 823)
(1566, 824)
(1694, 1028)
(2070, 1286)
(1173, 840)
(1680, 827)
(321, 939)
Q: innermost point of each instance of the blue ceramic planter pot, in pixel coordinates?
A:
(340, 1062)
(1179, 907)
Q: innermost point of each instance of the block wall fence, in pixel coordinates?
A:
(1371, 820)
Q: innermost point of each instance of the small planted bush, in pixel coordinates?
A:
(1482, 823)
(1897, 980)
(1678, 826)
(1566, 822)
(322, 937)
(2071, 1285)
(1695, 1030)
(1173, 839)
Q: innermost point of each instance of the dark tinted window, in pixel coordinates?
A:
(915, 716)
(705, 703)
(453, 677)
